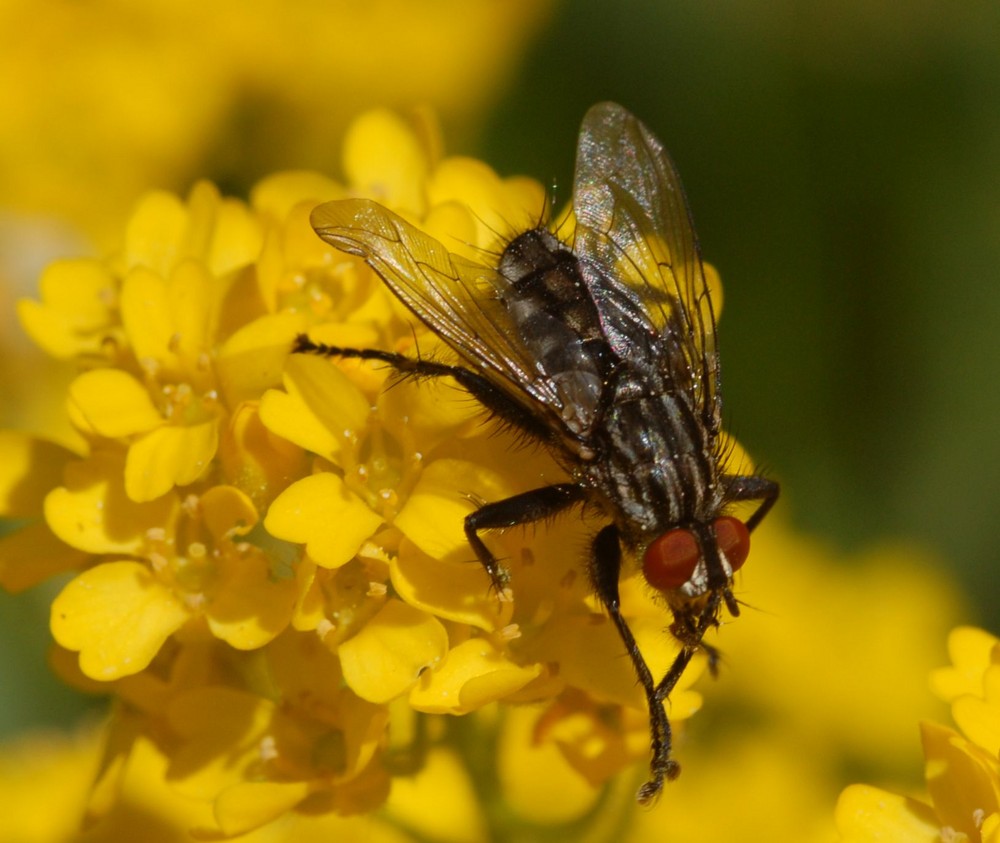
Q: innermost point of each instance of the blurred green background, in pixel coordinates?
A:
(843, 165)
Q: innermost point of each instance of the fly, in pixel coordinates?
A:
(603, 349)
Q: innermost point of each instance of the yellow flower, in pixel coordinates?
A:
(44, 779)
(962, 769)
(29, 468)
(271, 573)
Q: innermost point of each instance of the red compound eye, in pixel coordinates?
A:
(670, 560)
(734, 540)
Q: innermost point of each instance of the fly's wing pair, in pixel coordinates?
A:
(456, 298)
(632, 221)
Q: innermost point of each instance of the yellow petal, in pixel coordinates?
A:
(191, 291)
(82, 288)
(29, 469)
(155, 232)
(433, 515)
(167, 457)
(221, 733)
(45, 778)
(251, 361)
(322, 408)
(251, 607)
(525, 201)
(77, 300)
(431, 411)
(455, 224)
(117, 617)
(236, 237)
(970, 650)
(979, 721)
(114, 403)
(535, 776)
(321, 512)
(256, 460)
(207, 719)
(286, 415)
(472, 674)
(244, 807)
(386, 657)
(476, 184)
(310, 605)
(961, 779)
(327, 392)
(277, 194)
(93, 513)
(145, 311)
(865, 814)
(204, 203)
(714, 283)
(383, 160)
(167, 319)
(979, 718)
(579, 641)
(457, 591)
(991, 829)
(227, 512)
(33, 554)
(147, 786)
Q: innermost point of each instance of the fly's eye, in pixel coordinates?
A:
(670, 560)
(734, 540)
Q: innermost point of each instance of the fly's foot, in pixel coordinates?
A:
(665, 771)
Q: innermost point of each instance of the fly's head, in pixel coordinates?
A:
(693, 567)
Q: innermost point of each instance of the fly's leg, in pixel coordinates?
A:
(604, 570)
(690, 639)
(750, 487)
(519, 509)
(481, 388)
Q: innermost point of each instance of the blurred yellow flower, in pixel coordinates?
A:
(45, 779)
(962, 769)
(105, 99)
(865, 631)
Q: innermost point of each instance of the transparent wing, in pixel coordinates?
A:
(633, 221)
(454, 297)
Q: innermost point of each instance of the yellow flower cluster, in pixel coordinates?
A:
(267, 562)
(262, 559)
(962, 768)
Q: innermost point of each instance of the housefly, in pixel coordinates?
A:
(603, 349)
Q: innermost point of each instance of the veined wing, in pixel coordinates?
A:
(633, 221)
(459, 300)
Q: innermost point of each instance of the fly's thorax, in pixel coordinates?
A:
(658, 467)
(531, 251)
